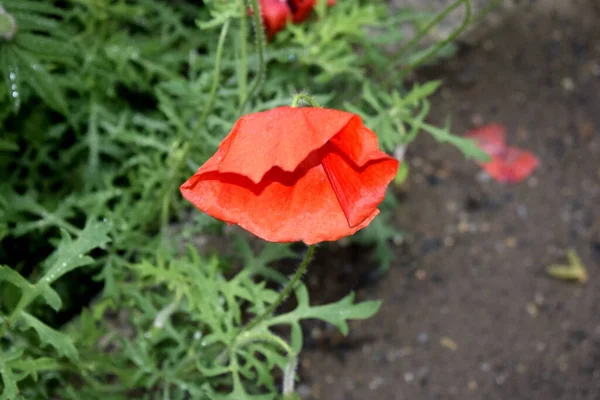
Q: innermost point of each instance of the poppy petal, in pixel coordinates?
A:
(258, 180)
(357, 170)
(284, 207)
(301, 9)
(275, 14)
(491, 138)
(496, 169)
(282, 137)
(520, 164)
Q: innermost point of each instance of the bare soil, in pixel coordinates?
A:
(469, 311)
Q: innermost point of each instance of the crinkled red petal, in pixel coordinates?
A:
(357, 170)
(282, 137)
(283, 207)
(332, 193)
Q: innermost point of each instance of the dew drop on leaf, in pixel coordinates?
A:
(148, 335)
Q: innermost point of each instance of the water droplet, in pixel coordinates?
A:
(15, 94)
(64, 265)
(292, 57)
(35, 67)
(148, 335)
(104, 220)
(14, 86)
(12, 76)
(203, 343)
(197, 335)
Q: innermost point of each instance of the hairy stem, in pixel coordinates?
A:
(260, 48)
(217, 74)
(306, 98)
(243, 64)
(431, 52)
(287, 290)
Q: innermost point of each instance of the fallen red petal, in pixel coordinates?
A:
(491, 138)
(520, 164)
(507, 164)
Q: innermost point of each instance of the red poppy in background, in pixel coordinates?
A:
(301, 9)
(275, 14)
(507, 164)
(295, 174)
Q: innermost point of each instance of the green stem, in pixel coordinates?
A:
(285, 292)
(304, 97)
(217, 76)
(260, 48)
(243, 64)
(289, 373)
(429, 54)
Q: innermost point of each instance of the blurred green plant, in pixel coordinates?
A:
(106, 107)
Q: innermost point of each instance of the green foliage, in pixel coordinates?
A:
(106, 108)
(69, 255)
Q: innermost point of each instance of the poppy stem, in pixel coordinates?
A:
(260, 50)
(217, 74)
(287, 290)
(426, 57)
(306, 98)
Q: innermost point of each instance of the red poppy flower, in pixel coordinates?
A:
(295, 174)
(507, 164)
(275, 14)
(301, 9)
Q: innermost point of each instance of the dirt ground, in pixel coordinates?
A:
(469, 311)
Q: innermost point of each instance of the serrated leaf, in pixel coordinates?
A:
(8, 145)
(42, 82)
(61, 342)
(11, 390)
(9, 66)
(296, 337)
(468, 147)
(46, 47)
(71, 255)
(27, 22)
(32, 6)
(336, 313)
(50, 295)
(8, 274)
(31, 367)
